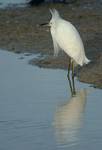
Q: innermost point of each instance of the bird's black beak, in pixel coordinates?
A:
(44, 24)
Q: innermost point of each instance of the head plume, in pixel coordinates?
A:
(54, 13)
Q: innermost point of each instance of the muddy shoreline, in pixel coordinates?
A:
(20, 32)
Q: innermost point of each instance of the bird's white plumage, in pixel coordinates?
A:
(66, 37)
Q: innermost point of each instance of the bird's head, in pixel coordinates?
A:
(54, 19)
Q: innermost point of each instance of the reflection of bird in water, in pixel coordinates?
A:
(68, 117)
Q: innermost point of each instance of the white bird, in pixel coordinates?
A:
(66, 37)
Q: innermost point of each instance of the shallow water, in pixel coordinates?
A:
(37, 111)
(5, 3)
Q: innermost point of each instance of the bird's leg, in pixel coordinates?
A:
(74, 92)
(68, 75)
(69, 65)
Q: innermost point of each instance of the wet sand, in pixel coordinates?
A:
(20, 32)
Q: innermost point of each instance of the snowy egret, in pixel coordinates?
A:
(66, 37)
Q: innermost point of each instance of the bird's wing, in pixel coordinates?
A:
(69, 40)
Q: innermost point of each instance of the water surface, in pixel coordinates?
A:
(5, 3)
(37, 111)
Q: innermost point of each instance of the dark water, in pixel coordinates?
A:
(38, 113)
